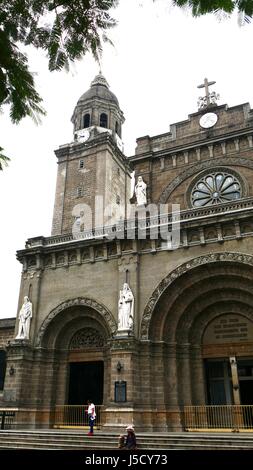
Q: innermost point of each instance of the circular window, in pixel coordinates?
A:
(215, 188)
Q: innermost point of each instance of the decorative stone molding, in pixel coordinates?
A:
(128, 262)
(80, 301)
(29, 275)
(197, 167)
(179, 271)
(125, 344)
(87, 338)
(19, 343)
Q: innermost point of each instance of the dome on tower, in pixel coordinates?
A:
(99, 88)
(98, 107)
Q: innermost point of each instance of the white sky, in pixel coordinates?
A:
(161, 54)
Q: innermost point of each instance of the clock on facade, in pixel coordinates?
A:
(208, 120)
(82, 135)
(119, 143)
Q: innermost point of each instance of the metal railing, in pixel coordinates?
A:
(75, 416)
(22, 418)
(7, 418)
(219, 417)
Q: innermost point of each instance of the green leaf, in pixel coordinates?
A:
(3, 159)
(65, 29)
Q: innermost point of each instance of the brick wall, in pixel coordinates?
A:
(6, 331)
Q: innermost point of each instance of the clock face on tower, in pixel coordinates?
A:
(208, 120)
(119, 143)
(82, 135)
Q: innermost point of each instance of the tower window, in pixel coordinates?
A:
(81, 164)
(117, 127)
(79, 192)
(86, 120)
(103, 120)
(117, 199)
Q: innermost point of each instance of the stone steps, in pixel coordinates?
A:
(37, 439)
(27, 444)
(84, 446)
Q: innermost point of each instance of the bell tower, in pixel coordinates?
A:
(93, 180)
(98, 111)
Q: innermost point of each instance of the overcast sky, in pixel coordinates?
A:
(160, 56)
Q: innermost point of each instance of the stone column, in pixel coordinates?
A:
(18, 374)
(124, 369)
(35, 299)
(158, 378)
(184, 377)
(31, 383)
(171, 388)
(171, 375)
(197, 376)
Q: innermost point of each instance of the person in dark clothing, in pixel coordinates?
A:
(121, 442)
(130, 439)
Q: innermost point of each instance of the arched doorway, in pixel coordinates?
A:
(178, 319)
(228, 354)
(86, 367)
(75, 339)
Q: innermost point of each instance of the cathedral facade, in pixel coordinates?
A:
(142, 303)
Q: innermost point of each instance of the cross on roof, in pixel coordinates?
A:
(205, 85)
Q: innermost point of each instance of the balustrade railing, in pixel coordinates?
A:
(75, 416)
(140, 223)
(218, 417)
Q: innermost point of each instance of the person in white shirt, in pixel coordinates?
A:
(91, 416)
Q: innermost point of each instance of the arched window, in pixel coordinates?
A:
(103, 120)
(2, 368)
(86, 120)
(117, 127)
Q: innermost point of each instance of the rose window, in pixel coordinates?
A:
(215, 188)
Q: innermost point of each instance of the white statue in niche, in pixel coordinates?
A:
(25, 316)
(141, 192)
(126, 309)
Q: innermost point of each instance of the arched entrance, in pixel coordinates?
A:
(181, 320)
(76, 337)
(227, 349)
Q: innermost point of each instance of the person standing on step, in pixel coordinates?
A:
(91, 416)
